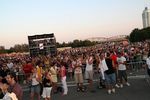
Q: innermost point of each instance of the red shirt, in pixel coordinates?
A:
(114, 59)
(27, 68)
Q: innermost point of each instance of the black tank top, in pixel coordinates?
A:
(110, 66)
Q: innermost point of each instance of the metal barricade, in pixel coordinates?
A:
(139, 68)
(136, 66)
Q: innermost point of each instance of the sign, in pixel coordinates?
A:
(41, 46)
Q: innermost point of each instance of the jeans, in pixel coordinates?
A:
(110, 79)
(122, 74)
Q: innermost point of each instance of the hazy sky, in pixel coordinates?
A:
(68, 19)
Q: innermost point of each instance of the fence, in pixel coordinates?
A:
(136, 65)
(132, 66)
(139, 66)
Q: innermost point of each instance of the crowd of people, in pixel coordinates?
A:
(42, 73)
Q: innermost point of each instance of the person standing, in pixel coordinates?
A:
(63, 78)
(7, 95)
(40, 71)
(70, 68)
(110, 74)
(35, 84)
(89, 72)
(47, 86)
(102, 67)
(14, 86)
(122, 70)
(78, 74)
(113, 56)
(27, 68)
(53, 71)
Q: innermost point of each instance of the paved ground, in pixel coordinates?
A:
(139, 90)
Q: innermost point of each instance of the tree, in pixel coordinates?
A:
(140, 35)
(21, 48)
(25, 47)
(133, 35)
(2, 49)
(76, 43)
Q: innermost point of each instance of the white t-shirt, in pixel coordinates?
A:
(103, 67)
(10, 65)
(34, 81)
(121, 66)
(89, 67)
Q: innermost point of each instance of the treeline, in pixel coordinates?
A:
(76, 43)
(138, 35)
(17, 48)
(25, 47)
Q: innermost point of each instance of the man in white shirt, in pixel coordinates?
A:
(122, 69)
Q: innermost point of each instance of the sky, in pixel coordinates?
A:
(68, 19)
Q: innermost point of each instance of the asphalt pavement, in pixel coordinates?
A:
(139, 90)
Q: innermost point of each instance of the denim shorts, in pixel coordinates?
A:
(110, 79)
(35, 89)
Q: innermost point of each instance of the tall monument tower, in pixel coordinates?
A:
(146, 17)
